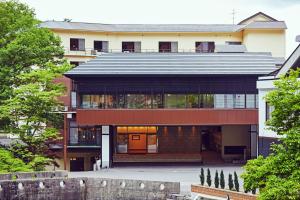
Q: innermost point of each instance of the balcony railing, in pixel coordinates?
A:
(94, 52)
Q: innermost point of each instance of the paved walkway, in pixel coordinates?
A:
(186, 175)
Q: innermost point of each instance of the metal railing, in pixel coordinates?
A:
(94, 52)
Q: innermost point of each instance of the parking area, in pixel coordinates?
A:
(186, 175)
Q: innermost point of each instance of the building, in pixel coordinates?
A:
(165, 92)
(264, 85)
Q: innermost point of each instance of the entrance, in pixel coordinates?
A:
(137, 143)
(77, 164)
(136, 139)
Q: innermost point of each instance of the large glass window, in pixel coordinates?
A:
(97, 101)
(269, 110)
(250, 100)
(192, 101)
(111, 101)
(77, 44)
(219, 101)
(86, 101)
(205, 47)
(175, 101)
(239, 101)
(122, 143)
(157, 101)
(206, 100)
(229, 101)
(147, 101)
(152, 143)
(80, 136)
(121, 101)
(138, 101)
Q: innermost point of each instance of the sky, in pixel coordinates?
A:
(170, 11)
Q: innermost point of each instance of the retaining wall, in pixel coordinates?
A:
(32, 175)
(86, 189)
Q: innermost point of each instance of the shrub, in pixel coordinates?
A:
(202, 178)
(222, 180)
(217, 181)
(236, 182)
(8, 163)
(230, 182)
(208, 178)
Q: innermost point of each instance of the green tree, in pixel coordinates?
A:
(208, 177)
(8, 163)
(236, 182)
(202, 177)
(23, 44)
(278, 175)
(30, 60)
(230, 182)
(222, 180)
(217, 181)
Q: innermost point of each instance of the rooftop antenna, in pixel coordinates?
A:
(233, 15)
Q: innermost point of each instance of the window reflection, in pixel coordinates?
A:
(153, 101)
(192, 101)
(175, 101)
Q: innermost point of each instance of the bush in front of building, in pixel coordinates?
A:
(202, 178)
(230, 182)
(217, 180)
(236, 182)
(222, 180)
(208, 177)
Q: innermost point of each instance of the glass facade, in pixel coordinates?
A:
(84, 136)
(160, 100)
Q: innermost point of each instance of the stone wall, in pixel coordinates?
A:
(32, 175)
(86, 189)
(216, 192)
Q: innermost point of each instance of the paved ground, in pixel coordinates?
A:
(186, 175)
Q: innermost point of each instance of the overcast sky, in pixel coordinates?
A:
(170, 11)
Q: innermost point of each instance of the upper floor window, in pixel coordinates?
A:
(233, 43)
(101, 46)
(168, 47)
(168, 100)
(131, 47)
(205, 47)
(269, 110)
(77, 44)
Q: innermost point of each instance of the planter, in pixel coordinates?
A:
(222, 193)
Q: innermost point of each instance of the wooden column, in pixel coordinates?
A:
(65, 141)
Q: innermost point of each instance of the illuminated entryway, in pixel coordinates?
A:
(136, 139)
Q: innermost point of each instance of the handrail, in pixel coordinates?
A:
(95, 52)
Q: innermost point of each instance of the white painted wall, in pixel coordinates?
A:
(264, 86)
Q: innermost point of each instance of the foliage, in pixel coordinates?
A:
(10, 164)
(30, 60)
(230, 182)
(278, 176)
(208, 177)
(202, 177)
(217, 181)
(236, 182)
(222, 180)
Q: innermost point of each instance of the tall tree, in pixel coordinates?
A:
(30, 60)
(278, 175)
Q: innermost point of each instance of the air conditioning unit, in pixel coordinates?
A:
(94, 52)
